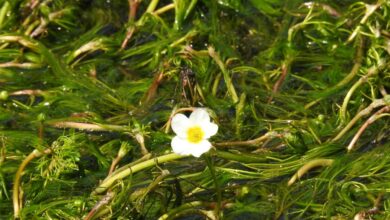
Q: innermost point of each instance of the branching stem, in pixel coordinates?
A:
(379, 114)
(376, 103)
(372, 71)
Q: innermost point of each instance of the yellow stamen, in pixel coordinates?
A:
(195, 134)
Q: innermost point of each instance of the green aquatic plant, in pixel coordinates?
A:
(89, 92)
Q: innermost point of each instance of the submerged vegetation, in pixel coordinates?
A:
(298, 89)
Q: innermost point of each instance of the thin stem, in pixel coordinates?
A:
(186, 37)
(240, 157)
(370, 9)
(278, 84)
(44, 22)
(376, 103)
(308, 166)
(379, 114)
(382, 90)
(253, 142)
(15, 196)
(104, 201)
(3, 12)
(217, 187)
(20, 65)
(86, 126)
(114, 163)
(229, 84)
(141, 141)
(164, 9)
(142, 159)
(33, 4)
(240, 112)
(140, 194)
(216, 84)
(152, 91)
(181, 208)
(35, 92)
(363, 79)
(354, 71)
(134, 169)
(133, 6)
(152, 6)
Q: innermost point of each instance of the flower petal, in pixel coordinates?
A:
(183, 147)
(210, 129)
(200, 148)
(180, 146)
(199, 116)
(180, 124)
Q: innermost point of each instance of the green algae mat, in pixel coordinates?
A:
(194, 109)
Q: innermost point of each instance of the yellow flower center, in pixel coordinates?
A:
(195, 134)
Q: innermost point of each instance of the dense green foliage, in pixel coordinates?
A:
(298, 89)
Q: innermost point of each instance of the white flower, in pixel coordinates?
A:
(192, 133)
